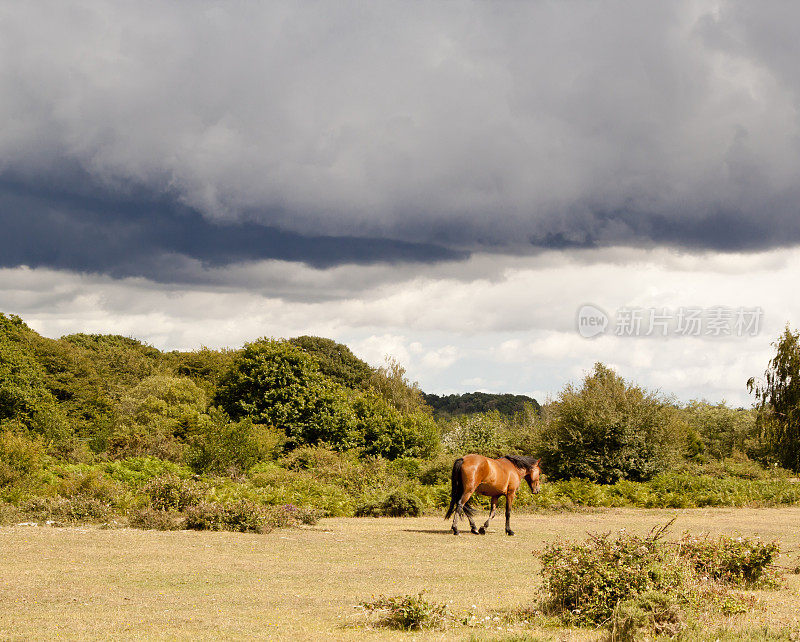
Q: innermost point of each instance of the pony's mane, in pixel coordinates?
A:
(521, 461)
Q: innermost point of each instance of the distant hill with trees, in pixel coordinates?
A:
(472, 402)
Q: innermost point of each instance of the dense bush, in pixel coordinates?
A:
(277, 384)
(734, 560)
(78, 509)
(584, 582)
(723, 431)
(639, 586)
(399, 503)
(25, 399)
(20, 456)
(171, 493)
(609, 430)
(243, 516)
(232, 447)
(157, 417)
(385, 431)
(647, 615)
(407, 612)
(335, 361)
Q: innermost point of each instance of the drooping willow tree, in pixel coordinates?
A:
(778, 402)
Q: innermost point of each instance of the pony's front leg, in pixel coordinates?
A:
(509, 501)
(482, 529)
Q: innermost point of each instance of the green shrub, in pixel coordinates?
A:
(609, 430)
(232, 447)
(20, 456)
(81, 480)
(243, 516)
(646, 615)
(151, 519)
(408, 612)
(291, 515)
(278, 384)
(137, 471)
(585, 582)
(478, 433)
(437, 471)
(278, 486)
(170, 492)
(78, 509)
(399, 503)
(740, 561)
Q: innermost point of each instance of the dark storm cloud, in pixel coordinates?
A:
(352, 132)
(150, 237)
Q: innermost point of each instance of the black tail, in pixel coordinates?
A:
(457, 489)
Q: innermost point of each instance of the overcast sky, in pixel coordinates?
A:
(445, 183)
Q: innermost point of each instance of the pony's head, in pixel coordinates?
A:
(532, 475)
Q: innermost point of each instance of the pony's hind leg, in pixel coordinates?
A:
(468, 510)
(482, 529)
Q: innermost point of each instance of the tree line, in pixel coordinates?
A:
(92, 397)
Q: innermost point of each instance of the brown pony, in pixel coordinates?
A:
(491, 477)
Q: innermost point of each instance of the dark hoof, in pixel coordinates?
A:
(475, 531)
(455, 530)
(482, 531)
(509, 532)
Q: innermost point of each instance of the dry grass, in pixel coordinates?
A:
(303, 584)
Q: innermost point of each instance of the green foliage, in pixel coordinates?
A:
(171, 493)
(390, 382)
(778, 402)
(78, 480)
(243, 516)
(277, 384)
(399, 503)
(205, 367)
(584, 582)
(24, 397)
(668, 490)
(82, 393)
(408, 612)
(610, 430)
(385, 431)
(480, 402)
(137, 471)
(232, 447)
(733, 560)
(20, 457)
(480, 433)
(158, 415)
(79, 509)
(335, 361)
(277, 486)
(650, 614)
(122, 362)
(724, 431)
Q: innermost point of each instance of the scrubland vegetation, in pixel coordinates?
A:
(104, 429)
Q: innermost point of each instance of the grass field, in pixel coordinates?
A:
(304, 584)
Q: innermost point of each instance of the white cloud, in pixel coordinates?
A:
(505, 324)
